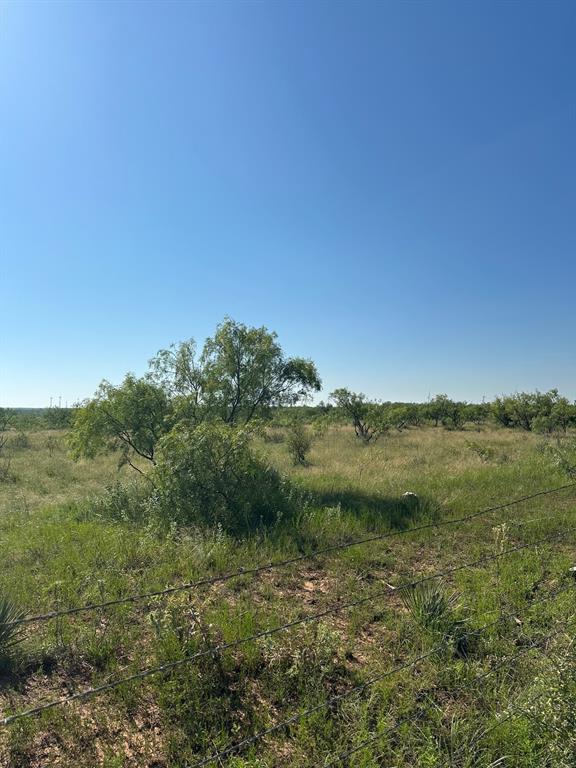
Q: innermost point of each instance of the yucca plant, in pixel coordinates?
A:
(430, 605)
(436, 610)
(10, 633)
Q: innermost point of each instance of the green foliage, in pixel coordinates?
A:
(437, 611)
(209, 475)
(563, 454)
(366, 416)
(302, 660)
(131, 418)
(246, 373)
(403, 416)
(122, 502)
(431, 606)
(442, 410)
(476, 413)
(47, 537)
(299, 443)
(59, 418)
(5, 459)
(241, 374)
(538, 411)
(10, 636)
(485, 452)
(551, 707)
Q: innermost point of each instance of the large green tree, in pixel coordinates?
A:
(241, 373)
(246, 373)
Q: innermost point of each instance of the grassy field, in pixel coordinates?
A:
(452, 708)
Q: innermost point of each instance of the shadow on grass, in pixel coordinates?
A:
(398, 513)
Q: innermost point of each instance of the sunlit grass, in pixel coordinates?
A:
(53, 555)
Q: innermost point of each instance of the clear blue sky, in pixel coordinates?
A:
(390, 186)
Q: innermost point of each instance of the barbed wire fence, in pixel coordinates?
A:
(219, 648)
(219, 579)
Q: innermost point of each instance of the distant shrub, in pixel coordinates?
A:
(52, 444)
(20, 441)
(59, 418)
(273, 434)
(5, 457)
(299, 443)
(538, 411)
(366, 417)
(563, 456)
(442, 410)
(484, 452)
(6, 474)
(321, 425)
(210, 475)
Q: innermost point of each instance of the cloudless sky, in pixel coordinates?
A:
(391, 186)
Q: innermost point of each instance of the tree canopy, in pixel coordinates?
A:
(241, 373)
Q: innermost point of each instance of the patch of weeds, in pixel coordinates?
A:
(302, 662)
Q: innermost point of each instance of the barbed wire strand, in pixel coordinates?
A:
(212, 651)
(211, 580)
(367, 684)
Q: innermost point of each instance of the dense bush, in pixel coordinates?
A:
(535, 411)
(209, 474)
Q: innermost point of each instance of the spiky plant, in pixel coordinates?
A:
(433, 608)
(11, 633)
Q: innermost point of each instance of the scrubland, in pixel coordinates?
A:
(502, 695)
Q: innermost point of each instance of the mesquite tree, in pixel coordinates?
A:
(241, 373)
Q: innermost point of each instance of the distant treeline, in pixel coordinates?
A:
(545, 412)
(39, 418)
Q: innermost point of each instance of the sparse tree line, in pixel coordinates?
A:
(542, 412)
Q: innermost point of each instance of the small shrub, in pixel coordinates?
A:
(485, 452)
(20, 442)
(299, 443)
(320, 427)
(302, 660)
(563, 456)
(210, 475)
(121, 502)
(52, 444)
(6, 474)
(273, 435)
